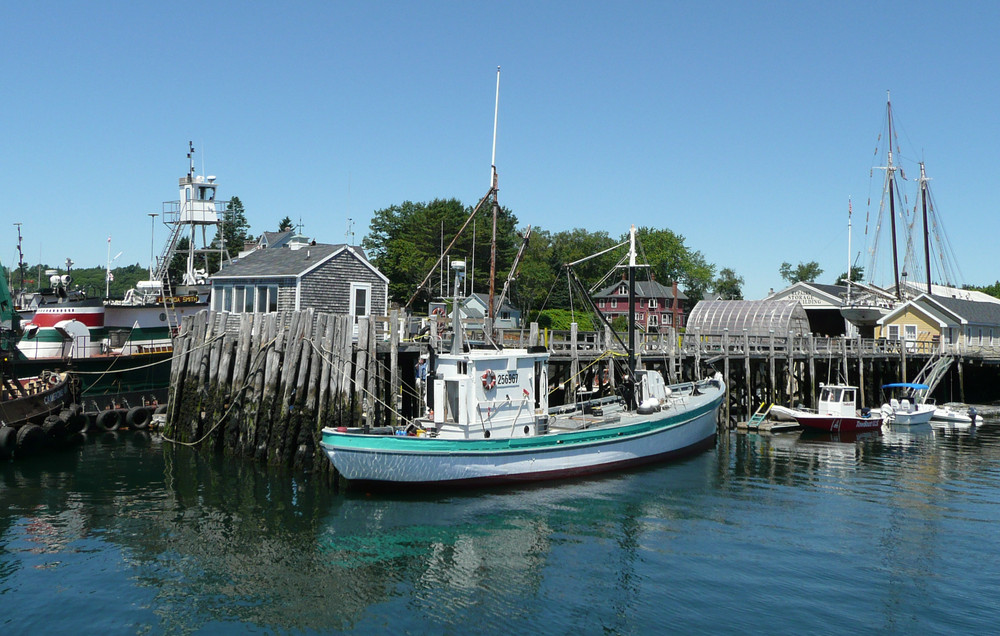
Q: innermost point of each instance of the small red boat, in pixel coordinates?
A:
(838, 413)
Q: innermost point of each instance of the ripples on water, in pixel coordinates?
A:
(768, 534)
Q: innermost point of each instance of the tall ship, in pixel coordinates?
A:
(120, 349)
(919, 251)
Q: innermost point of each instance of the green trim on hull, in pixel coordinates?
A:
(549, 441)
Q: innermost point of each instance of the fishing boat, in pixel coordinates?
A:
(489, 422)
(838, 412)
(911, 406)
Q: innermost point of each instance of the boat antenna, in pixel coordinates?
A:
(496, 206)
(190, 158)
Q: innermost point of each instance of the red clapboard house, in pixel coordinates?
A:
(654, 304)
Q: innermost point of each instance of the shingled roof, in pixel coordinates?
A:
(284, 261)
(643, 289)
(977, 313)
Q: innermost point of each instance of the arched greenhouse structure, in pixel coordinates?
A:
(757, 317)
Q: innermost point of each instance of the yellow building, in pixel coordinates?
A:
(948, 325)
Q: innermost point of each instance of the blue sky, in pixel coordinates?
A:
(742, 126)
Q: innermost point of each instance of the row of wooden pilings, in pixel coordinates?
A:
(263, 386)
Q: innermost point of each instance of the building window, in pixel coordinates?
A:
(909, 332)
(227, 298)
(652, 303)
(239, 293)
(361, 295)
(614, 303)
(602, 303)
(669, 319)
(652, 320)
(272, 298)
(261, 299)
(248, 301)
(893, 332)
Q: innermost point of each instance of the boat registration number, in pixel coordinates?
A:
(507, 379)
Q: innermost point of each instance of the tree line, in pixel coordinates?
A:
(406, 240)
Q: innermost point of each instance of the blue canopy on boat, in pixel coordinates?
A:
(906, 385)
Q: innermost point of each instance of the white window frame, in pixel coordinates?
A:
(652, 303)
(614, 303)
(653, 321)
(889, 329)
(910, 332)
(368, 299)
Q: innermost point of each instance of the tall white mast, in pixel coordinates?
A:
(493, 186)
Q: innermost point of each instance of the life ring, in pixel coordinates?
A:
(54, 379)
(489, 380)
(438, 311)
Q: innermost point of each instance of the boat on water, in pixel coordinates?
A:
(120, 349)
(837, 412)
(25, 402)
(489, 422)
(911, 407)
(956, 415)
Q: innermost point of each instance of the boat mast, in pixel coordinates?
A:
(849, 272)
(631, 312)
(890, 172)
(496, 207)
(927, 240)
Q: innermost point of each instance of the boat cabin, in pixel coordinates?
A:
(488, 395)
(838, 400)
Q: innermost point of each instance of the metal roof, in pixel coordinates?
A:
(757, 317)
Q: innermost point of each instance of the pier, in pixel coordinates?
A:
(263, 386)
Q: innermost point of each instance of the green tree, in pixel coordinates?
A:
(404, 241)
(671, 260)
(992, 290)
(285, 224)
(804, 272)
(857, 274)
(728, 285)
(235, 228)
(178, 263)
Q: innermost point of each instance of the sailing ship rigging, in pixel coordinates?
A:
(867, 301)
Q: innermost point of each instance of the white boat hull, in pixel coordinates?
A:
(638, 439)
(955, 416)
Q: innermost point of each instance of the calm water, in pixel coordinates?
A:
(765, 534)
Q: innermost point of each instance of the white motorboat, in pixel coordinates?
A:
(909, 408)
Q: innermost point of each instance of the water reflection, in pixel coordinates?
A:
(164, 539)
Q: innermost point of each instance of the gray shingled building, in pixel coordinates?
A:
(331, 278)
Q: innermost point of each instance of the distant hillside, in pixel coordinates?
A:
(89, 279)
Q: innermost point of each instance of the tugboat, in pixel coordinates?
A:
(26, 404)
